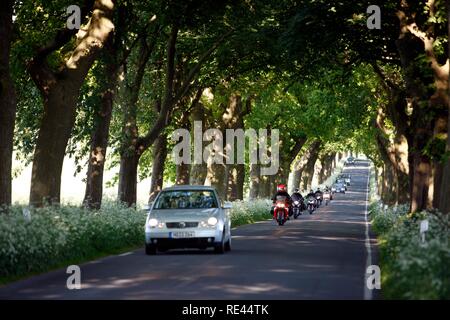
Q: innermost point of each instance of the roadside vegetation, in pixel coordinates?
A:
(410, 267)
(55, 237)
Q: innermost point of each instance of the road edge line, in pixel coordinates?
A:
(367, 293)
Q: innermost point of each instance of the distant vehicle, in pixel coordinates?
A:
(346, 178)
(350, 161)
(188, 217)
(341, 181)
(339, 187)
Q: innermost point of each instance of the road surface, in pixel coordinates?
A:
(319, 256)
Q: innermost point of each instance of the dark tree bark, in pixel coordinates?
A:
(426, 104)
(158, 166)
(395, 157)
(183, 170)
(286, 160)
(300, 165)
(99, 142)
(183, 173)
(128, 178)
(440, 129)
(7, 103)
(131, 149)
(112, 59)
(255, 181)
(199, 170)
(60, 93)
(233, 118)
(444, 201)
(326, 160)
(308, 172)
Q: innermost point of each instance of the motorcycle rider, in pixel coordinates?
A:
(282, 191)
(297, 196)
(311, 194)
(318, 193)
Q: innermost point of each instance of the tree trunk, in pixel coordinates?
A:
(412, 44)
(158, 166)
(440, 130)
(301, 164)
(236, 178)
(131, 147)
(198, 170)
(198, 174)
(308, 172)
(7, 104)
(183, 173)
(99, 142)
(218, 177)
(255, 181)
(421, 183)
(128, 178)
(54, 133)
(325, 161)
(240, 168)
(60, 92)
(265, 187)
(111, 67)
(444, 199)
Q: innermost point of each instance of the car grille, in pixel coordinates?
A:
(181, 225)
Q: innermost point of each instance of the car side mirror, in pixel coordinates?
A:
(147, 207)
(227, 205)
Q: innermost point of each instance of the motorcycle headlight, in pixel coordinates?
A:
(212, 221)
(152, 223)
(280, 205)
(295, 202)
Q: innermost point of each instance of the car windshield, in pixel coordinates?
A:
(186, 199)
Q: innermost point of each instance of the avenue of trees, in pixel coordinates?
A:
(112, 93)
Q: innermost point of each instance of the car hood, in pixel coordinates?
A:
(183, 214)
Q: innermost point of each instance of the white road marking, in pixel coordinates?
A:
(367, 291)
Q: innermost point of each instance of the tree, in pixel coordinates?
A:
(59, 90)
(7, 103)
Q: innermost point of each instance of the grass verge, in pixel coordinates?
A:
(56, 237)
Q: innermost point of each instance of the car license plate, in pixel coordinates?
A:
(182, 234)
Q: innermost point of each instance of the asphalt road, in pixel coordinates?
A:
(319, 256)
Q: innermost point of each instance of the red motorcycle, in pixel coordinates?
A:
(281, 210)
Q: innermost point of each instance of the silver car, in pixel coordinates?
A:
(188, 217)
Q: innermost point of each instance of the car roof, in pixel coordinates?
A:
(188, 187)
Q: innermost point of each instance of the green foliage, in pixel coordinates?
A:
(411, 269)
(245, 212)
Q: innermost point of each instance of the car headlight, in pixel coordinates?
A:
(152, 223)
(212, 221)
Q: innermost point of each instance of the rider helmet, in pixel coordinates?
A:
(281, 187)
(296, 190)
